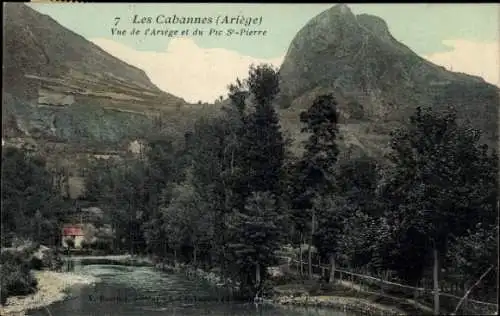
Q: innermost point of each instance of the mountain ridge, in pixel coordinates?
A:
(376, 79)
(57, 84)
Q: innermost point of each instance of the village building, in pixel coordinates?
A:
(74, 233)
(137, 147)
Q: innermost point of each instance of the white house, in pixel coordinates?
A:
(136, 147)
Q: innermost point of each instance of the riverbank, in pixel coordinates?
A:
(346, 296)
(52, 287)
(210, 277)
(340, 297)
(352, 304)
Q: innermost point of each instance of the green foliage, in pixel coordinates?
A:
(100, 244)
(357, 179)
(441, 175)
(321, 150)
(230, 195)
(70, 243)
(312, 176)
(16, 277)
(31, 206)
(256, 233)
(238, 95)
(133, 190)
(263, 84)
(472, 254)
(442, 183)
(262, 144)
(36, 263)
(85, 245)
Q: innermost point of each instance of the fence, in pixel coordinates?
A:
(381, 286)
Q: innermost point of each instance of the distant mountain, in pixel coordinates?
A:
(378, 80)
(58, 84)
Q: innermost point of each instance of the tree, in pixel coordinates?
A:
(357, 179)
(472, 254)
(316, 168)
(443, 180)
(31, 204)
(262, 142)
(256, 234)
(213, 173)
(238, 93)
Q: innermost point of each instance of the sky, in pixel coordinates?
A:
(460, 37)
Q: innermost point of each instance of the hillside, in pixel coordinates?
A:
(58, 84)
(377, 80)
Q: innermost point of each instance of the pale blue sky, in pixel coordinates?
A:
(422, 27)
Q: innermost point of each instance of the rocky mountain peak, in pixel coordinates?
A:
(375, 24)
(375, 77)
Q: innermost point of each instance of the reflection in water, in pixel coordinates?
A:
(127, 290)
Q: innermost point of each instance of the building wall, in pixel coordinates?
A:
(77, 239)
(82, 232)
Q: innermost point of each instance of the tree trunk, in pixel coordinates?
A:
(435, 276)
(332, 269)
(309, 261)
(313, 218)
(415, 294)
(301, 267)
(257, 275)
(194, 255)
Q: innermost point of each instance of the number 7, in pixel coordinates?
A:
(117, 19)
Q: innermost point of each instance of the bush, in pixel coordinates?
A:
(16, 279)
(52, 260)
(36, 263)
(101, 244)
(85, 245)
(16, 258)
(70, 243)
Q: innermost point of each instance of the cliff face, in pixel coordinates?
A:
(58, 84)
(375, 78)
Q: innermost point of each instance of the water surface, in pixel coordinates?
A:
(132, 290)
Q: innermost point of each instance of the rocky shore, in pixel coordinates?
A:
(52, 287)
(353, 304)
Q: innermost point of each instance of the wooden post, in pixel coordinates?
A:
(332, 268)
(313, 219)
(320, 269)
(435, 274)
(381, 286)
(300, 254)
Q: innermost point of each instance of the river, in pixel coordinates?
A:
(141, 290)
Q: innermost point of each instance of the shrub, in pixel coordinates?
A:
(102, 244)
(52, 260)
(36, 263)
(85, 245)
(70, 243)
(15, 276)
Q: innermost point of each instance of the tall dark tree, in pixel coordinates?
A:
(443, 180)
(214, 168)
(315, 170)
(256, 234)
(262, 143)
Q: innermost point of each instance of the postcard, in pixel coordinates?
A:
(249, 159)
